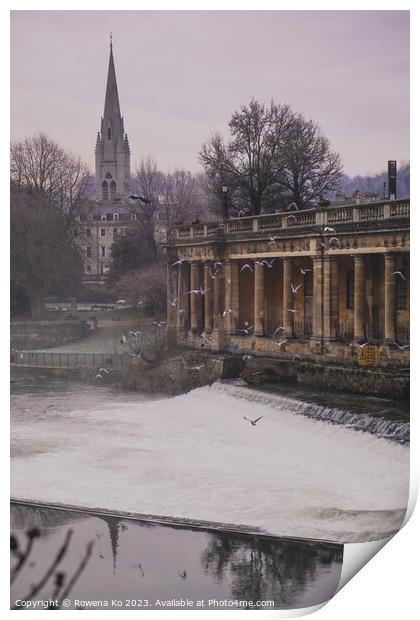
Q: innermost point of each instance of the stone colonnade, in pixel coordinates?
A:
(219, 310)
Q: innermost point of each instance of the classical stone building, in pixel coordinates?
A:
(329, 283)
(102, 220)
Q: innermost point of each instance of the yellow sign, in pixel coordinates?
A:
(369, 356)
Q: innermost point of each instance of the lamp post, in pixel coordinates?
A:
(225, 201)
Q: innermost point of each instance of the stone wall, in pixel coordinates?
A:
(44, 334)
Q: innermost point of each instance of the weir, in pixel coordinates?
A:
(378, 424)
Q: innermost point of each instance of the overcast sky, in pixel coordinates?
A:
(181, 74)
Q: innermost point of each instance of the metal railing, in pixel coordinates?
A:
(52, 359)
(298, 220)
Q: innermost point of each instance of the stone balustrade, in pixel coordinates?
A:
(306, 221)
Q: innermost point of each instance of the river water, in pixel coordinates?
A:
(316, 466)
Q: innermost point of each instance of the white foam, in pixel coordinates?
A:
(195, 456)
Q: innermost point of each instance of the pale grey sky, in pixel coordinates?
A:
(181, 74)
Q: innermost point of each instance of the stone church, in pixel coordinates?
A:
(104, 219)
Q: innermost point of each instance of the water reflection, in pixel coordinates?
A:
(136, 560)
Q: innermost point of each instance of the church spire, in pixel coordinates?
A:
(112, 104)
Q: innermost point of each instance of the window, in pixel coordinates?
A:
(116, 217)
(109, 133)
(103, 217)
(103, 251)
(114, 233)
(88, 268)
(113, 187)
(89, 251)
(103, 232)
(350, 291)
(402, 294)
(88, 232)
(309, 284)
(104, 190)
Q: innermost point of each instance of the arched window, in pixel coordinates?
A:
(350, 290)
(109, 133)
(113, 187)
(104, 190)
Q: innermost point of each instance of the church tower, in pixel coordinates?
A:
(112, 152)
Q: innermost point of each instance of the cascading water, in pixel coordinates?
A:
(195, 457)
(375, 423)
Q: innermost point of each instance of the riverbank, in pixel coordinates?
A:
(184, 370)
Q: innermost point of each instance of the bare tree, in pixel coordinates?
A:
(248, 163)
(145, 288)
(307, 167)
(146, 341)
(43, 169)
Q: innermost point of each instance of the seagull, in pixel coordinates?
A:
(183, 575)
(398, 273)
(247, 357)
(278, 329)
(246, 330)
(181, 311)
(228, 311)
(295, 356)
(173, 302)
(253, 422)
(179, 262)
(122, 301)
(272, 240)
(360, 346)
(329, 229)
(99, 376)
(218, 264)
(336, 240)
(291, 310)
(101, 370)
(295, 290)
(246, 266)
(402, 347)
(269, 264)
(304, 270)
(159, 323)
(139, 303)
(293, 205)
(281, 343)
(46, 409)
(213, 275)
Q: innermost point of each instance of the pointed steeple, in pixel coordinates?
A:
(112, 104)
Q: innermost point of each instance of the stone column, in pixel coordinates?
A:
(390, 299)
(172, 294)
(288, 299)
(330, 297)
(195, 298)
(317, 299)
(258, 299)
(182, 305)
(208, 299)
(359, 298)
(232, 295)
(218, 300)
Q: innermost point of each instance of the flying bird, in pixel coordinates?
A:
(213, 275)
(101, 370)
(218, 264)
(304, 270)
(246, 266)
(159, 323)
(402, 347)
(253, 422)
(278, 329)
(272, 240)
(173, 302)
(293, 205)
(291, 310)
(360, 346)
(336, 240)
(246, 330)
(183, 575)
(179, 262)
(295, 289)
(228, 311)
(398, 273)
(194, 367)
(247, 357)
(280, 343)
(121, 301)
(329, 229)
